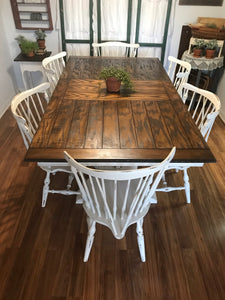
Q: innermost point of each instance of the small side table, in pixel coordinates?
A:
(203, 64)
(30, 64)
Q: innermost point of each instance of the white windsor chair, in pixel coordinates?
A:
(53, 67)
(204, 107)
(117, 49)
(28, 108)
(117, 198)
(178, 72)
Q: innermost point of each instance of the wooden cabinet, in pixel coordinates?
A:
(32, 14)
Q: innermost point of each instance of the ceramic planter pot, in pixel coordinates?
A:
(112, 84)
(41, 44)
(197, 53)
(30, 54)
(209, 53)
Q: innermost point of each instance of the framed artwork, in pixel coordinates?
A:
(201, 2)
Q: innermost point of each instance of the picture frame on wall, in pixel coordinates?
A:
(201, 2)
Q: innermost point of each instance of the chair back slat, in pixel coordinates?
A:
(28, 108)
(204, 107)
(117, 198)
(117, 49)
(53, 67)
(178, 72)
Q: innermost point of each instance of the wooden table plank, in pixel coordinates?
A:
(120, 155)
(142, 126)
(158, 127)
(111, 137)
(126, 125)
(93, 138)
(77, 131)
(177, 133)
(95, 125)
(62, 124)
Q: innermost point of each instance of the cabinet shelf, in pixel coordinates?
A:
(32, 15)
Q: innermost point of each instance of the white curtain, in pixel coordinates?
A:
(114, 23)
(76, 21)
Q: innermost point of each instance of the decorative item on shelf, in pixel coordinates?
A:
(40, 36)
(20, 39)
(211, 46)
(198, 47)
(208, 31)
(28, 47)
(114, 77)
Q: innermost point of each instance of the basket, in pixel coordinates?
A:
(208, 33)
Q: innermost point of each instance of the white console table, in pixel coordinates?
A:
(29, 65)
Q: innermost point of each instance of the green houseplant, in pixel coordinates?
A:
(28, 47)
(40, 36)
(211, 46)
(114, 77)
(198, 47)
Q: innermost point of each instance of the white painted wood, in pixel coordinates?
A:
(53, 67)
(178, 72)
(28, 108)
(204, 106)
(117, 198)
(117, 49)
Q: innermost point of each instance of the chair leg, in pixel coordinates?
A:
(70, 179)
(187, 186)
(90, 238)
(140, 239)
(45, 189)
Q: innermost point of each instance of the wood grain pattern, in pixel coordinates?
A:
(41, 250)
(90, 123)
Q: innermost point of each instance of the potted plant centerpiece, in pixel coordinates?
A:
(210, 48)
(28, 47)
(114, 77)
(40, 36)
(198, 47)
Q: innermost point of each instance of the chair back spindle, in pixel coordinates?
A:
(203, 105)
(117, 198)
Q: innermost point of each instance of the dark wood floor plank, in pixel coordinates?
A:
(41, 250)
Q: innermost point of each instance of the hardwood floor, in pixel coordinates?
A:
(41, 249)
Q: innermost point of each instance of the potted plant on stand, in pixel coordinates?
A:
(40, 36)
(198, 47)
(114, 77)
(210, 48)
(28, 47)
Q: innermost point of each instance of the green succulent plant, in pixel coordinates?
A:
(20, 39)
(40, 34)
(211, 44)
(200, 44)
(28, 46)
(118, 73)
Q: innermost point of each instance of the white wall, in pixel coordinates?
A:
(9, 49)
(188, 14)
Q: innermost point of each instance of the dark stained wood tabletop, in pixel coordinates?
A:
(130, 126)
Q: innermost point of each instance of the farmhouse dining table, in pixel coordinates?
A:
(132, 127)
